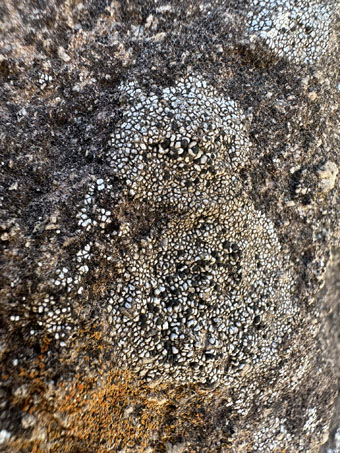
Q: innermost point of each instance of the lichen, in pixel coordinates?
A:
(300, 32)
(204, 299)
(169, 203)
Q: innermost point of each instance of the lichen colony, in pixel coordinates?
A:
(169, 215)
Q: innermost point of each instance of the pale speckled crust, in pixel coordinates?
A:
(165, 179)
(199, 300)
(298, 31)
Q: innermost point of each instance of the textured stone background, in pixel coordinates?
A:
(92, 243)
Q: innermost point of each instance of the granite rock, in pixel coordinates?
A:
(169, 225)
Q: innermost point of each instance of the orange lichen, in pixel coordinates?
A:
(105, 410)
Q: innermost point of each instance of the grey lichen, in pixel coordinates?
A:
(299, 31)
(210, 297)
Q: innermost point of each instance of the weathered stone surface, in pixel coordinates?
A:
(169, 226)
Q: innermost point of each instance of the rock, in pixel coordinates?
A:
(63, 55)
(176, 448)
(169, 225)
(327, 174)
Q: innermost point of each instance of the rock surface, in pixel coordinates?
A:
(169, 226)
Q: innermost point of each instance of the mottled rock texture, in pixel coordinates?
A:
(169, 226)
